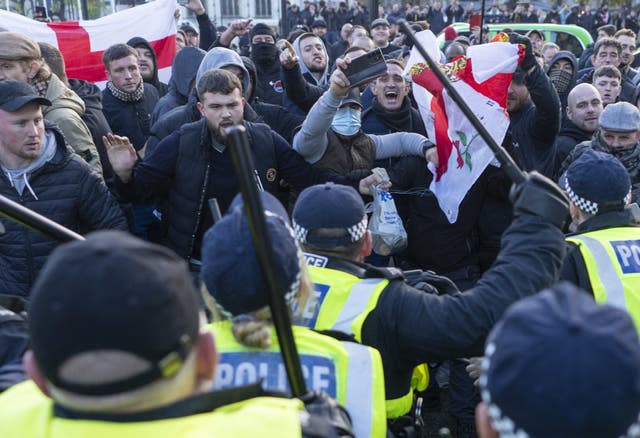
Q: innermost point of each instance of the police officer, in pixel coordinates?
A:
(407, 326)
(581, 358)
(118, 350)
(349, 372)
(603, 255)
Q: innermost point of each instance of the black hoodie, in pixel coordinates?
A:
(564, 54)
(95, 120)
(160, 86)
(183, 75)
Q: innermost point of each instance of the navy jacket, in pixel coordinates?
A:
(410, 327)
(69, 193)
(213, 176)
(131, 119)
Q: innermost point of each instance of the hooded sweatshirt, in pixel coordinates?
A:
(160, 86)
(219, 57)
(324, 78)
(183, 73)
(563, 95)
(19, 177)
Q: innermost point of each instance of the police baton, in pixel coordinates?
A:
(243, 164)
(510, 167)
(35, 221)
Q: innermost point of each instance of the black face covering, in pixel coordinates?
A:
(264, 53)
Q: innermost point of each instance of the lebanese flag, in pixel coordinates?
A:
(482, 79)
(82, 43)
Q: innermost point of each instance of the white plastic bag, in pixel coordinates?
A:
(389, 235)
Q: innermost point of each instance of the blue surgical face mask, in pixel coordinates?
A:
(346, 121)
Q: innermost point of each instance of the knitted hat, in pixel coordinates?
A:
(261, 29)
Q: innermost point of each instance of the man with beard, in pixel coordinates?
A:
(534, 109)
(194, 164)
(583, 111)
(148, 64)
(391, 109)
(304, 81)
(264, 55)
(618, 135)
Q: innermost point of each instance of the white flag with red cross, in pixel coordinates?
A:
(482, 79)
(82, 43)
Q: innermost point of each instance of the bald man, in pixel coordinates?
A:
(584, 106)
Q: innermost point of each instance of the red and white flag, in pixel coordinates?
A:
(82, 43)
(482, 78)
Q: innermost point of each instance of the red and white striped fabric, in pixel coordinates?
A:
(82, 43)
(482, 78)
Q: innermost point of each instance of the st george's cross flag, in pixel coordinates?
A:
(482, 79)
(82, 43)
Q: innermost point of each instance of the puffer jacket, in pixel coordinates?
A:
(66, 191)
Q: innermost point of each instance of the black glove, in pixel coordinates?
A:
(539, 196)
(529, 59)
(322, 407)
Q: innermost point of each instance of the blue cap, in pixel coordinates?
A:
(560, 365)
(597, 182)
(332, 206)
(230, 268)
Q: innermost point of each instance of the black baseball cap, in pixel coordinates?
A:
(15, 94)
(112, 292)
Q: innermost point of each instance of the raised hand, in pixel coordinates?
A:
(122, 155)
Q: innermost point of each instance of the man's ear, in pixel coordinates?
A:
(483, 424)
(33, 67)
(367, 245)
(200, 107)
(33, 371)
(569, 113)
(206, 355)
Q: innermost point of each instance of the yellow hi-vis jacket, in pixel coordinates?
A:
(612, 259)
(349, 372)
(27, 413)
(342, 302)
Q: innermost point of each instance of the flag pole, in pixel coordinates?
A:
(510, 167)
(482, 23)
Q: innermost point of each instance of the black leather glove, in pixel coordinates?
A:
(529, 59)
(539, 196)
(321, 406)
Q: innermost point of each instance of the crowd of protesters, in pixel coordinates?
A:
(147, 158)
